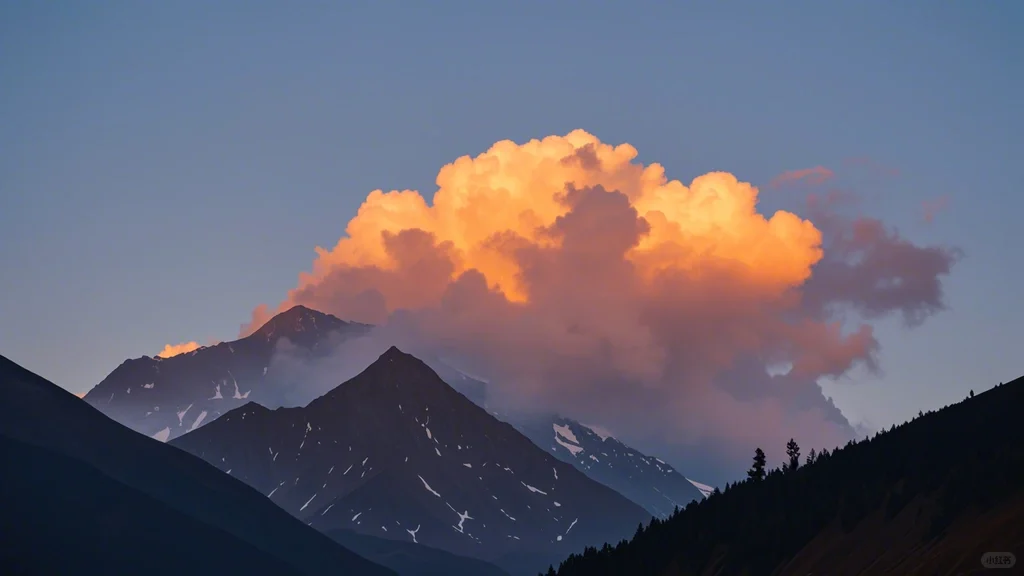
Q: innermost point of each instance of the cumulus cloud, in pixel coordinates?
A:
(170, 350)
(576, 279)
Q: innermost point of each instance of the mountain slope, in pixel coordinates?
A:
(166, 397)
(410, 559)
(93, 522)
(397, 453)
(929, 497)
(81, 493)
(646, 480)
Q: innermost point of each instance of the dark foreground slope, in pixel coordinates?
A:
(929, 497)
(86, 520)
(79, 493)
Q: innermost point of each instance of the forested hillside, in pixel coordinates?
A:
(935, 493)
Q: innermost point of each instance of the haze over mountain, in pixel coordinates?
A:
(80, 493)
(301, 354)
(646, 480)
(397, 453)
(167, 397)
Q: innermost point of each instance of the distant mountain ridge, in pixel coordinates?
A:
(166, 397)
(397, 453)
(646, 480)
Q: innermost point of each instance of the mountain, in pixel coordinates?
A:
(646, 480)
(937, 495)
(395, 452)
(410, 559)
(166, 397)
(80, 493)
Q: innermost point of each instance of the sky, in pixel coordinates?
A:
(166, 168)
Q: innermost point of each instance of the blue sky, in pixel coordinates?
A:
(165, 167)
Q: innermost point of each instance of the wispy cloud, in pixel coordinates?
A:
(811, 176)
(931, 208)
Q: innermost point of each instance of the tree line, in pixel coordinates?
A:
(969, 454)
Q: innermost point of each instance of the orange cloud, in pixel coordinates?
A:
(176, 349)
(812, 176)
(510, 196)
(577, 279)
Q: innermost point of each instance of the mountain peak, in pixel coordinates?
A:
(393, 353)
(396, 452)
(298, 318)
(305, 326)
(396, 376)
(167, 398)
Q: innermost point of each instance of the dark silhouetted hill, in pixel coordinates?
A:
(82, 494)
(928, 497)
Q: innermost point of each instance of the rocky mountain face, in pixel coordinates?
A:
(166, 398)
(397, 453)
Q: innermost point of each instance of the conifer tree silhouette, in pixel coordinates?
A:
(793, 451)
(756, 471)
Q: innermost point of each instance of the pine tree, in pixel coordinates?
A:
(756, 471)
(793, 451)
(972, 393)
(811, 456)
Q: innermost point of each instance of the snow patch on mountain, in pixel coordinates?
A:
(181, 415)
(532, 489)
(565, 432)
(198, 421)
(704, 488)
(427, 486)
